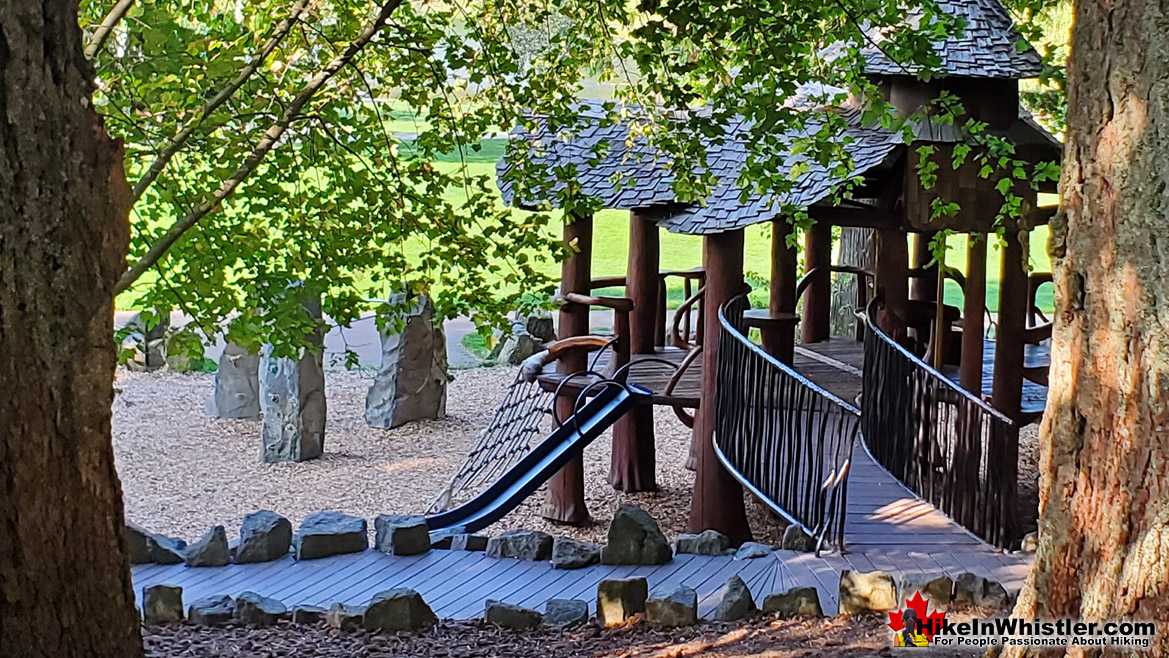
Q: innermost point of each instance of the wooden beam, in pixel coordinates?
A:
(632, 459)
(1007, 382)
(564, 501)
(818, 298)
(925, 283)
(856, 217)
(718, 497)
(780, 341)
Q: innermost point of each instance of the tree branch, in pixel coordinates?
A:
(106, 28)
(176, 144)
(263, 147)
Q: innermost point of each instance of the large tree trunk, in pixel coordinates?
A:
(1104, 500)
(64, 207)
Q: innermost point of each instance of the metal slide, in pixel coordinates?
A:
(545, 459)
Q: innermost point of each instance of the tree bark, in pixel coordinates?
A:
(1104, 489)
(64, 208)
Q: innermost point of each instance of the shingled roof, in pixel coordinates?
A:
(645, 180)
(989, 47)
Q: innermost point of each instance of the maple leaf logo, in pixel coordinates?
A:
(929, 623)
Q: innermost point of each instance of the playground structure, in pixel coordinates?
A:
(940, 405)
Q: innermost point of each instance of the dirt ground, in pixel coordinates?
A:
(840, 637)
(183, 471)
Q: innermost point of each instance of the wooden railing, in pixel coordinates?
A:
(786, 439)
(941, 441)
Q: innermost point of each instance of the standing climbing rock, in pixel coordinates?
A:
(237, 385)
(412, 380)
(292, 396)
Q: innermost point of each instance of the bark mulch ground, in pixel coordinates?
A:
(842, 637)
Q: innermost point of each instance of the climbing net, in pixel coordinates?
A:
(523, 419)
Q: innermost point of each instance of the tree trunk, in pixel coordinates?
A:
(64, 207)
(858, 247)
(1104, 525)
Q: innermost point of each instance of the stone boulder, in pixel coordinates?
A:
(635, 538)
(707, 542)
(572, 554)
(736, 602)
(619, 599)
(860, 592)
(412, 380)
(1030, 542)
(938, 590)
(401, 535)
(263, 536)
(521, 545)
(256, 610)
(994, 596)
(399, 609)
(345, 617)
(211, 611)
(237, 385)
(162, 604)
(795, 539)
(751, 550)
(509, 615)
(672, 607)
(330, 533)
(292, 399)
(972, 589)
(137, 544)
(796, 602)
(308, 615)
(566, 612)
(210, 551)
(166, 550)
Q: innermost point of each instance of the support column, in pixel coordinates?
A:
(1007, 391)
(779, 340)
(817, 314)
(564, 501)
(718, 497)
(925, 283)
(973, 312)
(892, 281)
(1008, 356)
(633, 459)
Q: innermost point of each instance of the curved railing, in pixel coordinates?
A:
(786, 439)
(943, 442)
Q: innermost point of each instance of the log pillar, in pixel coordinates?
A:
(1007, 385)
(632, 464)
(925, 282)
(893, 281)
(779, 341)
(973, 310)
(564, 501)
(1007, 392)
(817, 321)
(718, 497)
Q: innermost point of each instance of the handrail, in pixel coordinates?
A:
(943, 380)
(941, 441)
(683, 312)
(783, 437)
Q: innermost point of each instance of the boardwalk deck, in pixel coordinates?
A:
(887, 527)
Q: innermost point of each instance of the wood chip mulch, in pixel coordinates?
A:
(838, 637)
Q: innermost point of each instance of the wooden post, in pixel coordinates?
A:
(718, 497)
(892, 281)
(925, 283)
(1007, 389)
(973, 310)
(564, 501)
(780, 341)
(632, 461)
(817, 320)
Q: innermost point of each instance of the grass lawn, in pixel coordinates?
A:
(611, 238)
